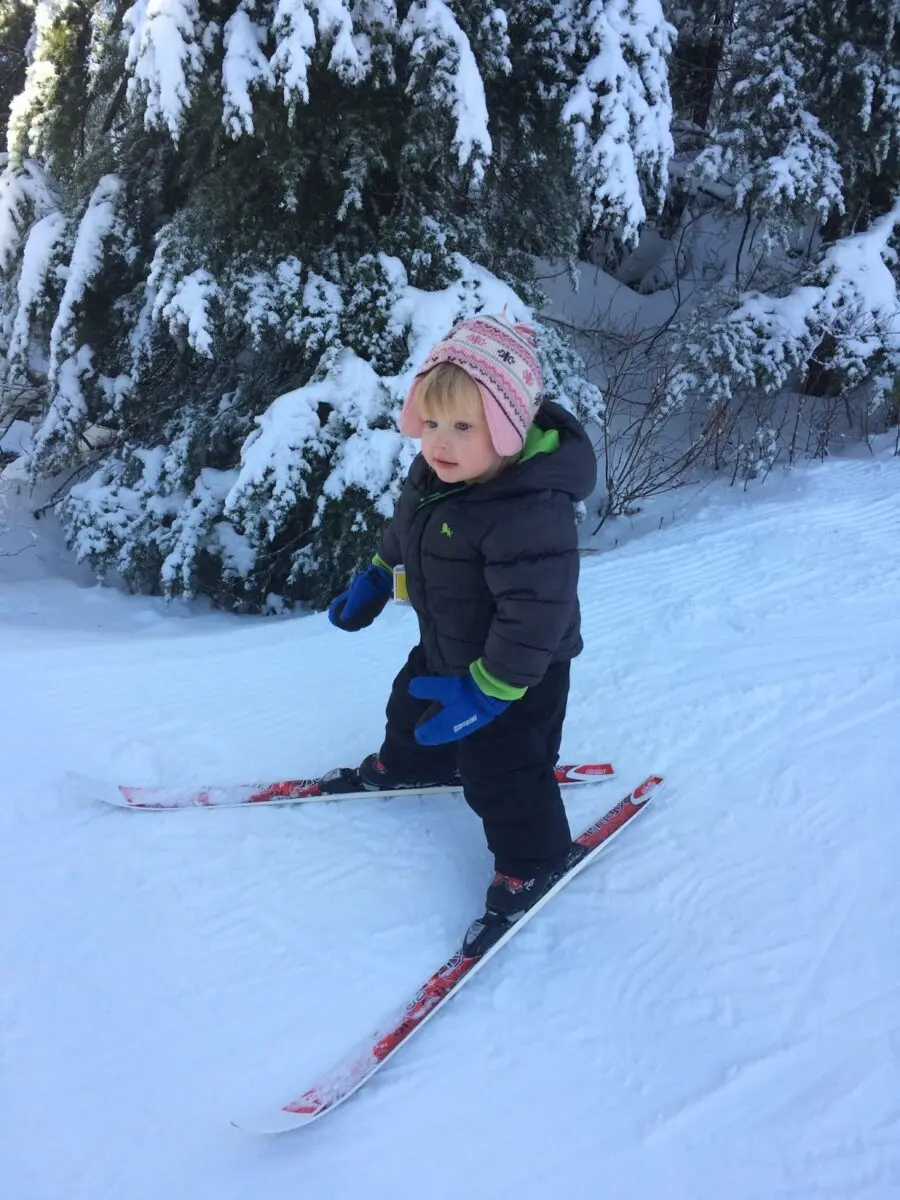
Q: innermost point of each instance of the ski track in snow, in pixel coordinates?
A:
(710, 1013)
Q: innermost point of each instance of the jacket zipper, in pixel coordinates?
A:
(433, 497)
(425, 502)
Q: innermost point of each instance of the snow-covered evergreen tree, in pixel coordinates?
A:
(770, 147)
(857, 90)
(231, 231)
(803, 148)
(812, 93)
(704, 28)
(15, 27)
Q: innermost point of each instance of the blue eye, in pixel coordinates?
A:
(462, 426)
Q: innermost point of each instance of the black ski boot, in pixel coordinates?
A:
(509, 898)
(375, 777)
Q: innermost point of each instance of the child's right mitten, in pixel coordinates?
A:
(363, 600)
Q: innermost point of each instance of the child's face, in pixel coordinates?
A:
(456, 442)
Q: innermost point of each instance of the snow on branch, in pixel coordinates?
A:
(804, 171)
(32, 111)
(441, 50)
(295, 35)
(620, 111)
(107, 518)
(38, 255)
(25, 194)
(71, 363)
(275, 459)
(95, 226)
(244, 67)
(779, 164)
(187, 306)
(284, 300)
(178, 293)
(295, 26)
(165, 58)
(852, 298)
(68, 412)
(190, 533)
(335, 24)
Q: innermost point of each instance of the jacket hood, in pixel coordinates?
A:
(570, 468)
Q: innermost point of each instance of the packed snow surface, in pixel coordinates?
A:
(712, 1012)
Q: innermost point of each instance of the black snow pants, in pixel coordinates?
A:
(506, 767)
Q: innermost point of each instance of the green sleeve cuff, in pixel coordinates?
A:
(379, 562)
(492, 686)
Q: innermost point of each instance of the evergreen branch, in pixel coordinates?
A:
(79, 472)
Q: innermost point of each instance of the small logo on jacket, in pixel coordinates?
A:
(446, 530)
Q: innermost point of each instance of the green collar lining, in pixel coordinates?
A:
(539, 441)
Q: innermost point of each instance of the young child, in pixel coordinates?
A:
(485, 530)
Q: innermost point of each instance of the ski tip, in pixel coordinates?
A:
(275, 1121)
(584, 772)
(646, 790)
(86, 787)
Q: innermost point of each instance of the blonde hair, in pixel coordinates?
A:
(448, 388)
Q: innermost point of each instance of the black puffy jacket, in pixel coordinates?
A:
(492, 568)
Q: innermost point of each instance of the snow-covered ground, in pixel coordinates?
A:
(711, 1013)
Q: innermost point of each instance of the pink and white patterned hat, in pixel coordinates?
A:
(503, 361)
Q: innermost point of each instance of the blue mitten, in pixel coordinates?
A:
(461, 708)
(363, 600)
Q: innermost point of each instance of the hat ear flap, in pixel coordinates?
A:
(411, 423)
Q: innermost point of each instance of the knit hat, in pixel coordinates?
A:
(502, 360)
